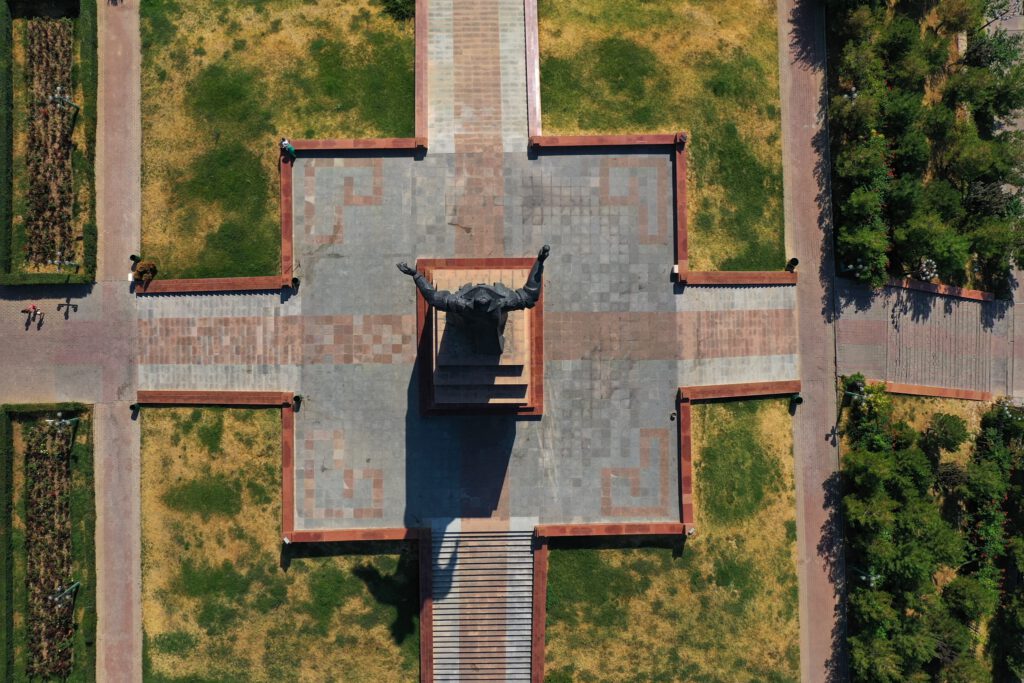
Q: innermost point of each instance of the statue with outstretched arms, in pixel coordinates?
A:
(483, 309)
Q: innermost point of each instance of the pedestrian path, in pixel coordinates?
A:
(482, 589)
(925, 339)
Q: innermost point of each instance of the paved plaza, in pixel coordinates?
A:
(620, 335)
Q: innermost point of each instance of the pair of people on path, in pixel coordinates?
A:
(33, 313)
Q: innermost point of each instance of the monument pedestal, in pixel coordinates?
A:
(455, 376)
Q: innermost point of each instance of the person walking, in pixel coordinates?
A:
(32, 311)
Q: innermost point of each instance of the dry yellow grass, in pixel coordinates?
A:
(278, 642)
(688, 38)
(725, 610)
(271, 39)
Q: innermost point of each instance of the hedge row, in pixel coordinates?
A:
(83, 510)
(6, 554)
(86, 73)
(6, 135)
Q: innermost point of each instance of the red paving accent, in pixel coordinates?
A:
(287, 471)
(479, 190)
(713, 392)
(739, 277)
(421, 73)
(359, 339)
(939, 392)
(609, 529)
(632, 197)
(348, 535)
(426, 608)
(946, 290)
(685, 419)
(647, 437)
(682, 224)
(424, 336)
(215, 398)
(540, 610)
(215, 284)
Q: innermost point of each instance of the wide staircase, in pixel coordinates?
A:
(482, 586)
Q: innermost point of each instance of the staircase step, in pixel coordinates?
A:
(483, 602)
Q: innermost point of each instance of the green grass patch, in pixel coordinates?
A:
(736, 473)
(659, 66)
(206, 496)
(724, 608)
(232, 80)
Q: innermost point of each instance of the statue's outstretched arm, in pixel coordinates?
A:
(440, 299)
(528, 295)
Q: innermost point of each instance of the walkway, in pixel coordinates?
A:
(87, 352)
(914, 337)
(808, 237)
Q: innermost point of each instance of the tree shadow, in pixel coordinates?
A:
(399, 589)
(830, 549)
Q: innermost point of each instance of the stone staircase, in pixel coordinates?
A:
(482, 586)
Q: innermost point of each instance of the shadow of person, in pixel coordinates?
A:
(399, 590)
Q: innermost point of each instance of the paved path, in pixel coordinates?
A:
(87, 353)
(914, 337)
(802, 70)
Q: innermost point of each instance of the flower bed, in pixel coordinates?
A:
(48, 549)
(48, 222)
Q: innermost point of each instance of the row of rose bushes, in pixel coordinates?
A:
(48, 221)
(51, 623)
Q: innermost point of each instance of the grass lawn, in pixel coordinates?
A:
(83, 141)
(643, 66)
(725, 609)
(83, 520)
(218, 604)
(221, 84)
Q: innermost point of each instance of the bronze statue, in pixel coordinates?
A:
(483, 309)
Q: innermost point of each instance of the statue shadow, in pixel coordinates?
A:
(456, 468)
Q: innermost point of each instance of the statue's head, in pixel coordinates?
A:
(481, 302)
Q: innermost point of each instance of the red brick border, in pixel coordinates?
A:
(737, 277)
(350, 144)
(711, 392)
(945, 290)
(607, 140)
(215, 398)
(426, 607)
(936, 392)
(540, 610)
(424, 341)
(609, 529)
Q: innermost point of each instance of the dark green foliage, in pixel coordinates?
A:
(6, 136)
(206, 581)
(400, 10)
(898, 542)
(944, 433)
(6, 551)
(206, 496)
(890, 142)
